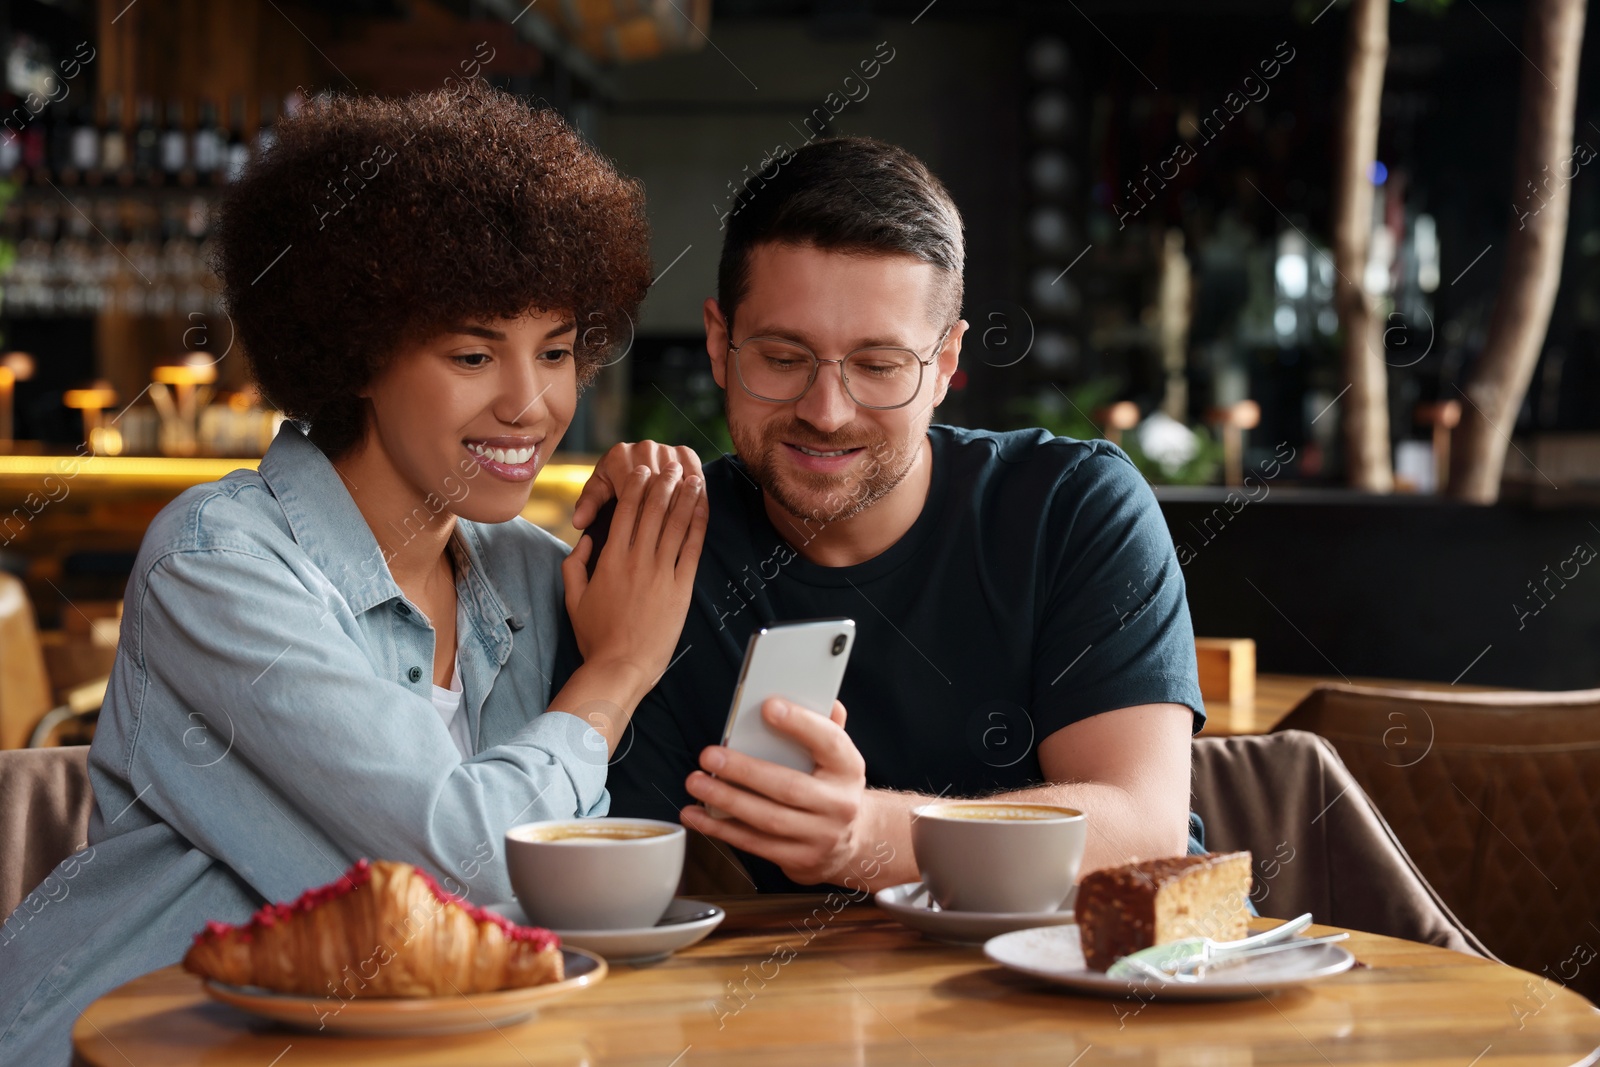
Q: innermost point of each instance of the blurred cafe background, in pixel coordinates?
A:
(1308, 262)
(1326, 269)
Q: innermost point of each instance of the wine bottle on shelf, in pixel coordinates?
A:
(114, 143)
(59, 151)
(147, 145)
(10, 154)
(85, 146)
(237, 151)
(207, 144)
(34, 156)
(175, 147)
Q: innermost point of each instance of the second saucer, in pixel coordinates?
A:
(910, 904)
(640, 945)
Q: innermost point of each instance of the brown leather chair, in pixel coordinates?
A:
(1496, 797)
(45, 802)
(1316, 841)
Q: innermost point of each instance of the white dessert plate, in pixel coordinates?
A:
(412, 1016)
(910, 905)
(1055, 954)
(639, 945)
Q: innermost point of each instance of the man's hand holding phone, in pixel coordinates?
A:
(811, 825)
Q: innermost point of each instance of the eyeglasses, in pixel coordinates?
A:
(780, 371)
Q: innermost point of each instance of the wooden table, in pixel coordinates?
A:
(1277, 694)
(865, 990)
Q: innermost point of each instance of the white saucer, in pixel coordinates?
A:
(637, 945)
(908, 904)
(1055, 953)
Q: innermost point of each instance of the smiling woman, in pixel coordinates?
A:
(365, 623)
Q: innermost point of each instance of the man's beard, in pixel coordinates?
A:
(825, 498)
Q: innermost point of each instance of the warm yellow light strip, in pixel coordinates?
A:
(197, 470)
(557, 479)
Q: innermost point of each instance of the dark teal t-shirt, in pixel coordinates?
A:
(1038, 587)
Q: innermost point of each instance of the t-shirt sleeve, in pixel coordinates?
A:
(1114, 630)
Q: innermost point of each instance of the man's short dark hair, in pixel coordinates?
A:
(374, 222)
(846, 194)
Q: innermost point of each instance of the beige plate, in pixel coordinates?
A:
(391, 1016)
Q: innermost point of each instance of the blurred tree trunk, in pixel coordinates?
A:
(1366, 403)
(1542, 172)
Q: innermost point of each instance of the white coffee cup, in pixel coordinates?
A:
(995, 856)
(595, 874)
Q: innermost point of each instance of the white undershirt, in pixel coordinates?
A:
(451, 704)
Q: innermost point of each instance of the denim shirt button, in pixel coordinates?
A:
(401, 608)
(415, 674)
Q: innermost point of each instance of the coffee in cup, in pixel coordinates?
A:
(595, 874)
(998, 857)
(580, 832)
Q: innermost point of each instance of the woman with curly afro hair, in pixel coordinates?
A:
(348, 653)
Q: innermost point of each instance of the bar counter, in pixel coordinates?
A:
(33, 486)
(71, 525)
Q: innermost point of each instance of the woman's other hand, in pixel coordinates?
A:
(620, 461)
(628, 616)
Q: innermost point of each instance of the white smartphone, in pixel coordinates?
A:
(802, 662)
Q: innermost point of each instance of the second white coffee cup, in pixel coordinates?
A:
(998, 857)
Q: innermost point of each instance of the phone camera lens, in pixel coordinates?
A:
(838, 645)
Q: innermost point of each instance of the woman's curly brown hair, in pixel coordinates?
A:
(403, 215)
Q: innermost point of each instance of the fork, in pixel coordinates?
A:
(1194, 972)
(1191, 952)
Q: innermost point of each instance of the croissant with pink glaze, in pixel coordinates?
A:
(383, 930)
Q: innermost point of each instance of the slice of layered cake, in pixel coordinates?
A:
(1124, 909)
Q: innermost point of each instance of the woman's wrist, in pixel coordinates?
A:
(627, 678)
(604, 693)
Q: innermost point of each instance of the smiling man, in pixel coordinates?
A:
(1022, 627)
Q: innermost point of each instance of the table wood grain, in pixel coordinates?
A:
(787, 981)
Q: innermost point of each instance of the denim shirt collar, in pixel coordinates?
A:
(326, 523)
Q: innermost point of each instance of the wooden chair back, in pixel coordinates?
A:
(24, 685)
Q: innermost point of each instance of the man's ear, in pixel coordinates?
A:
(949, 360)
(716, 340)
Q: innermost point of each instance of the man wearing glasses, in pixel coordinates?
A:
(1022, 627)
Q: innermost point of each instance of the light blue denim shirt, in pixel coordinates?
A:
(268, 722)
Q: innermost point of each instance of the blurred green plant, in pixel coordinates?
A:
(1203, 468)
(1067, 414)
(697, 421)
(8, 252)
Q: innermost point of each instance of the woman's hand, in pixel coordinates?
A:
(628, 616)
(620, 461)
